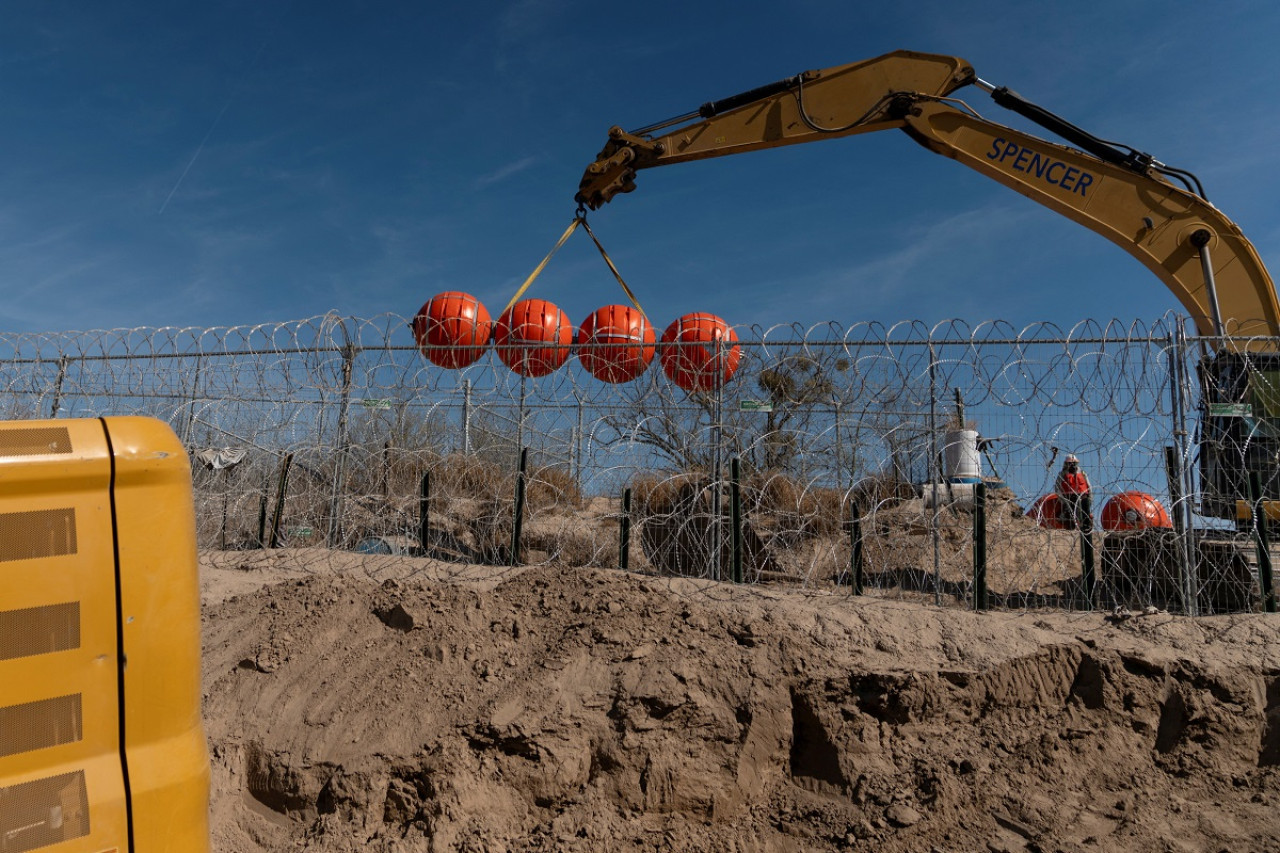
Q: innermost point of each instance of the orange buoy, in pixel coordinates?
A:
(700, 352)
(452, 329)
(616, 343)
(1046, 512)
(533, 337)
(1133, 511)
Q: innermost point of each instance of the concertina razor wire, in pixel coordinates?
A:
(335, 433)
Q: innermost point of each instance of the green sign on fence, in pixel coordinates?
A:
(755, 406)
(1230, 410)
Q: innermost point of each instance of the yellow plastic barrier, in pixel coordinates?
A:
(98, 567)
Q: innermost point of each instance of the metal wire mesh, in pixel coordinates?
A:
(850, 442)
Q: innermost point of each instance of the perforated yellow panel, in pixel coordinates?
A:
(37, 725)
(39, 630)
(42, 533)
(43, 812)
(73, 495)
(35, 441)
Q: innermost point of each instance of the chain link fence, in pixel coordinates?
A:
(855, 459)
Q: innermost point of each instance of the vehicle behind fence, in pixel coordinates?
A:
(852, 459)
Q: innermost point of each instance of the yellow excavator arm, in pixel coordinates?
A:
(1122, 194)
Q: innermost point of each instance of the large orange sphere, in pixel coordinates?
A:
(533, 337)
(1133, 511)
(452, 329)
(616, 343)
(700, 352)
(1047, 512)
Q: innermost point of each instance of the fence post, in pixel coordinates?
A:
(191, 406)
(1266, 582)
(262, 513)
(339, 477)
(63, 361)
(1180, 478)
(855, 549)
(1186, 567)
(1088, 579)
(980, 546)
(717, 468)
(466, 417)
(624, 532)
(935, 473)
(282, 490)
(577, 449)
(518, 526)
(735, 517)
(424, 512)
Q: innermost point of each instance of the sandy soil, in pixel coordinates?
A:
(407, 704)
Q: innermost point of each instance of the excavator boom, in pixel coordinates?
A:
(1200, 254)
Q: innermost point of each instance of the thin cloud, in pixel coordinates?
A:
(505, 172)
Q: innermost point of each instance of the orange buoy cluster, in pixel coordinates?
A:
(533, 337)
(452, 329)
(700, 352)
(615, 344)
(1125, 511)
(1047, 512)
(1134, 511)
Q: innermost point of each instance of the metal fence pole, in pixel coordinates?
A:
(855, 550)
(517, 526)
(624, 532)
(1177, 462)
(63, 361)
(424, 512)
(717, 432)
(1266, 581)
(189, 427)
(935, 474)
(577, 448)
(282, 492)
(980, 546)
(735, 510)
(339, 477)
(466, 417)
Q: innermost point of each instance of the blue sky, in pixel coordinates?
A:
(235, 163)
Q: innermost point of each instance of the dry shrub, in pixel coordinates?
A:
(658, 494)
(491, 526)
(462, 476)
(798, 511)
(572, 544)
(676, 513)
(881, 491)
(552, 487)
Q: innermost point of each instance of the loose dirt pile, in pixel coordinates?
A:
(403, 704)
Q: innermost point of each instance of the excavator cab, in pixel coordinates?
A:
(1239, 434)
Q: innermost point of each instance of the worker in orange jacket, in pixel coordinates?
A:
(1075, 496)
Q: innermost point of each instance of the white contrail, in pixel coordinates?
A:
(252, 64)
(199, 148)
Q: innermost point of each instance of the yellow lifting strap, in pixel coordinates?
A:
(612, 268)
(578, 219)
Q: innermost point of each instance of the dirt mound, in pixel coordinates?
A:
(407, 705)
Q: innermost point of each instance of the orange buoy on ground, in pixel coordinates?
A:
(533, 337)
(616, 343)
(700, 352)
(1046, 512)
(452, 329)
(1134, 511)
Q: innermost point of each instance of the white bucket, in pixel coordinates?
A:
(961, 461)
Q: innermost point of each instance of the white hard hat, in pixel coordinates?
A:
(1071, 457)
